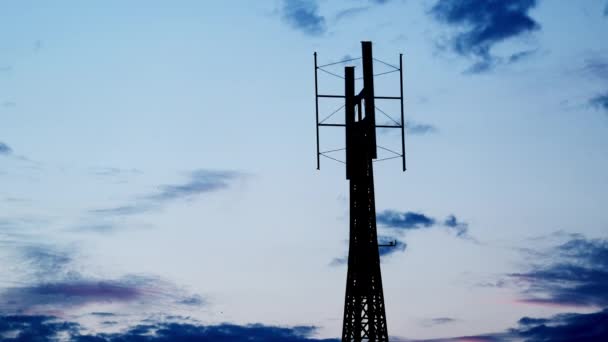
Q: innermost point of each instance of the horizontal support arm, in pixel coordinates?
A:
(376, 97)
(343, 125)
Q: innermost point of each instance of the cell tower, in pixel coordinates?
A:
(364, 311)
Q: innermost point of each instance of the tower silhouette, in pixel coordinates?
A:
(364, 310)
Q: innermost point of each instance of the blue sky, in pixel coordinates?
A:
(157, 169)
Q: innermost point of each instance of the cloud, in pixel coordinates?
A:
(589, 327)
(606, 10)
(520, 56)
(48, 328)
(354, 11)
(559, 328)
(34, 328)
(566, 327)
(103, 314)
(404, 220)
(304, 15)
(442, 320)
(72, 293)
(200, 182)
(483, 24)
(44, 260)
(460, 227)
(78, 291)
(420, 128)
(222, 332)
(5, 149)
(122, 210)
(438, 321)
(53, 283)
(600, 102)
(399, 246)
(339, 261)
(194, 300)
(576, 274)
(114, 171)
(596, 66)
(351, 12)
(98, 227)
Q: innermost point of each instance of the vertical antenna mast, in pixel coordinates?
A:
(368, 94)
(317, 113)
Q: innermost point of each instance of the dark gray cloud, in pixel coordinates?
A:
(606, 10)
(5, 149)
(304, 15)
(48, 328)
(406, 221)
(575, 274)
(200, 182)
(194, 300)
(459, 227)
(416, 128)
(482, 24)
(600, 102)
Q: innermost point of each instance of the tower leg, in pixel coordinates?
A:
(364, 313)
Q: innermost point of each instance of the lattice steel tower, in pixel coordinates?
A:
(364, 311)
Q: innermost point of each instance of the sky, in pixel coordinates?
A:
(158, 175)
